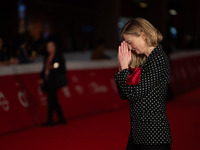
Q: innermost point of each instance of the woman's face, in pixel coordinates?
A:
(136, 44)
(51, 47)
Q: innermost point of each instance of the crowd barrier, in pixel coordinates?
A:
(91, 89)
(185, 71)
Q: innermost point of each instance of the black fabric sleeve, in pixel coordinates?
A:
(150, 78)
(120, 79)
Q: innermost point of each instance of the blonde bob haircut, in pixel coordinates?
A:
(135, 27)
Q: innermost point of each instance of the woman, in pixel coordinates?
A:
(142, 79)
(53, 76)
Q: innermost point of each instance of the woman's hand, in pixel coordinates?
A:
(124, 56)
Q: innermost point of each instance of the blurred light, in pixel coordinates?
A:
(21, 8)
(120, 24)
(21, 15)
(122, 21)
(172, 12)
(143, 5)
(55, 65)
(173, 32)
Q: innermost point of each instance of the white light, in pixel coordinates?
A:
(55, 65)
(172, 12)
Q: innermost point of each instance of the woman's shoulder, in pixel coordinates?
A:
(159, 55)
(157, 61)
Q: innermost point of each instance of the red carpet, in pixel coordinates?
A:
(109, 131)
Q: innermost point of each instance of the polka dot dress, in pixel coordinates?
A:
(149, 122)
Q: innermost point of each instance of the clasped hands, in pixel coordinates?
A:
(124, 56)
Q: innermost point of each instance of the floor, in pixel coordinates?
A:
(109, 131)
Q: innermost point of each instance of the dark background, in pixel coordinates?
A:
(80, 24)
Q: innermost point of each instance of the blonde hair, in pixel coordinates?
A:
(135, 27)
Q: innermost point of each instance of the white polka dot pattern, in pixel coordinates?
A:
(149, 122)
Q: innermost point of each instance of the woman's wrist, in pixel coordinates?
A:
(122, 68)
